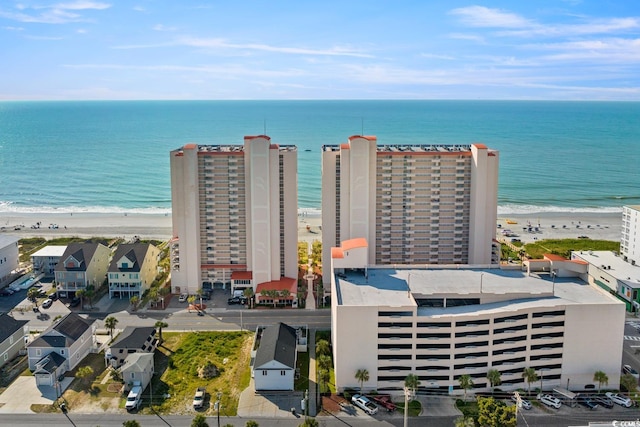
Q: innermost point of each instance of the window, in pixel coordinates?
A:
(133, 375)
(38, 352)
(264, 373)
(5, 357)
(62, 352)
(283, 373)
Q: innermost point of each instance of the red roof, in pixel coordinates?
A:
(241, 275)
(279, 285)
(256, 137)
(554, 257)
(359, 242)
(190, 146)
(367, 137)
(337, 253)
(480, 146)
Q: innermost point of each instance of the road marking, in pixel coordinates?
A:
(631, 338)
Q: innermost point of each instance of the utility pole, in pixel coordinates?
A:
(218, 405)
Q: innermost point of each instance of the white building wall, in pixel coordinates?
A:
(588, 337)
(630, 240)
(484, 203)
(8, 256)
(273, 376)
(329, 208)
(290, 230)
(355, 345)
(185, 215)
(259, 208)
(362, 185)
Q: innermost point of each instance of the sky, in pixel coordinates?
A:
(329, 49)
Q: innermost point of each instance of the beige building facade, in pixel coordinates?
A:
(234, 209)
(441, 323)
(420, 204)
(630, 239)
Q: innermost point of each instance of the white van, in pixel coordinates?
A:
(134, 398)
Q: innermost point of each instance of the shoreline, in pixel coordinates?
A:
(550, 225)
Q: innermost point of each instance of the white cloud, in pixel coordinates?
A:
(160, 27)
(480, 16)
(13, 28)
(470, 37)
(60, 13)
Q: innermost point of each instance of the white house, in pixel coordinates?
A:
(61, 348)
(137, 369)
(46, 259)
(8, 257)
(81, 266)
(275, 363)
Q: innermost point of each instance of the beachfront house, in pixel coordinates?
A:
(132, 340)
(60, 348)
(275, 360)
(132, 270)
(12, 332)
(45, 260)
(8, 258)
(81, 266)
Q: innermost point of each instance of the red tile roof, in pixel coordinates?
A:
(241, 275)
(279, 285)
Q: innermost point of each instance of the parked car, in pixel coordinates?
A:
(524, 403)
(42, 293)
(134, 398)
(365, 404)
(627, 369)
(198, 398)
(586, 401)
(53, 296)
(237, 300)
(74, 302)
(6, 292)
(550, 400)
(602, 400)
(619, 399)
(183, 298)
(47, 303)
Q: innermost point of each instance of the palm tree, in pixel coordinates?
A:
(190, 301)
(199, 421)
(362, 375)
(285, 293)
(89, 294)
(466, 383)
(493, 375)
(159, 325)
(32, 295)
(601, 378)
(84, 373)
(248, 294)
(264, 294)
(530, 376)
(153, 296)
(274, 295)
(135, 300)
(80, 293)
(322, 347)
(110, 323)
(412, 382)
(323, 377)
(324, 361)
(629, 382)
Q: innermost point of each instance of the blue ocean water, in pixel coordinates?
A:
(112, 156)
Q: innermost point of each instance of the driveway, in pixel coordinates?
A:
(269, 404)
(23, 392)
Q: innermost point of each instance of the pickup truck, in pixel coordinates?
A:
(365, 404)
(134, 398)
(198, 398)
(385, 401)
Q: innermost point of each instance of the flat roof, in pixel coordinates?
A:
(501, 289)
(51, 250)
(8, 239)
(613, 265)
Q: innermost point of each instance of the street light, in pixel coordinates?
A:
(553, 278)
(407, 395)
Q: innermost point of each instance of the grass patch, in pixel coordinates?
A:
(179, 358)
(468, 409)
(302, 383)
(563, 247)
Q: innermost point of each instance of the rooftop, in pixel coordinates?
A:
(495, 288)
(613, 264)
(51, 250)
(412, 148)
(8, 239)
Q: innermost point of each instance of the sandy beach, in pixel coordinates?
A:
(528, 228)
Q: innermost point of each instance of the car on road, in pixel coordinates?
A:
(365, 404)
(627, 369)
(47, 303)
(619, 399)
(237, 300)
(602, 400)
(6, 292)
(198, 398)
(524, 403)
(183, 298)
(586, 401)
(550, 400)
